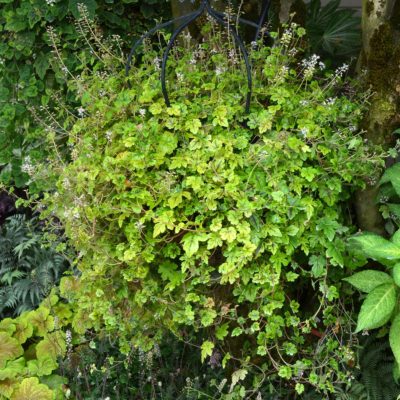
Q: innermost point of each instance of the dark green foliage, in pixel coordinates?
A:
(376, 363)
(29, 77)
(27, 269)
(332, 31)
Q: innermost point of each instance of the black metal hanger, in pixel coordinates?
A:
(220, 18)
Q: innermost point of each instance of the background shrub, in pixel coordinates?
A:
(28, 269)
(30, 78)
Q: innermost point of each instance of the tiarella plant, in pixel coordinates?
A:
(381, 305)
(200, 218)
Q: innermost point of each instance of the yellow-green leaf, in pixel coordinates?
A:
(12, 369)
(394, 338)
(206, 350)
(53, 346)
(31, 389)
(221, 331)
(9, 348)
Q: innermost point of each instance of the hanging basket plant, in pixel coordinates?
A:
(197, 217)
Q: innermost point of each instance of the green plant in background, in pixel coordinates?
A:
(376, 356)
(29, 78)
(332, 31)
(28, 270)
(30, 348)
(197, 216)
(382, 288)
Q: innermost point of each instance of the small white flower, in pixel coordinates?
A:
(50, 2)
(81, 111)
(287, 37)
(321, 65)
(27, 166)
(142, 112)
(304, 103)
(109, 136)
(179, 75)
(304, 131)
(157, 63)
(341, 71)
(139, 225)
(352, 128)
(310, 65)
(219, 71)
(330, 101)
(66, 183)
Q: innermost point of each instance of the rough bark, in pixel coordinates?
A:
(379, 60)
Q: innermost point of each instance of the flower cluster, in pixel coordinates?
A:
(311, 64)
(27, 166)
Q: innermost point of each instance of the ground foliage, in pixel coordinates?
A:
(200, 216)
(31, 346)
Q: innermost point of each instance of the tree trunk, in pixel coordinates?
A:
(379, 60)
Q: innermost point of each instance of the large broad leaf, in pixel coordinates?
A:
(52, 346)
(24, 330)
(394, 338)
(368, 280)
(31, 389)
(12, 369)
(41, 367)
(41, 321)
(8, 325)
(377, 307)
(6, 388)
(392, 175)
(9, 349)
(396, 274)
(396, 237)
(376, 247)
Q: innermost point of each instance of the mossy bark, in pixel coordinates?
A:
(379, 61)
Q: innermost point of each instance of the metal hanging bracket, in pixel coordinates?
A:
(221, 18)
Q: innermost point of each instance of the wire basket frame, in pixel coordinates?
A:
(185, 20)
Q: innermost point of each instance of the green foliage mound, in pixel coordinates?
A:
(30, 348)
(200, 216)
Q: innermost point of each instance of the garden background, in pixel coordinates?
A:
(226, 243)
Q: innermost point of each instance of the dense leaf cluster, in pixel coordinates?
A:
(29, 77)
(197, 215)
(28, 269)
(30, 348)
